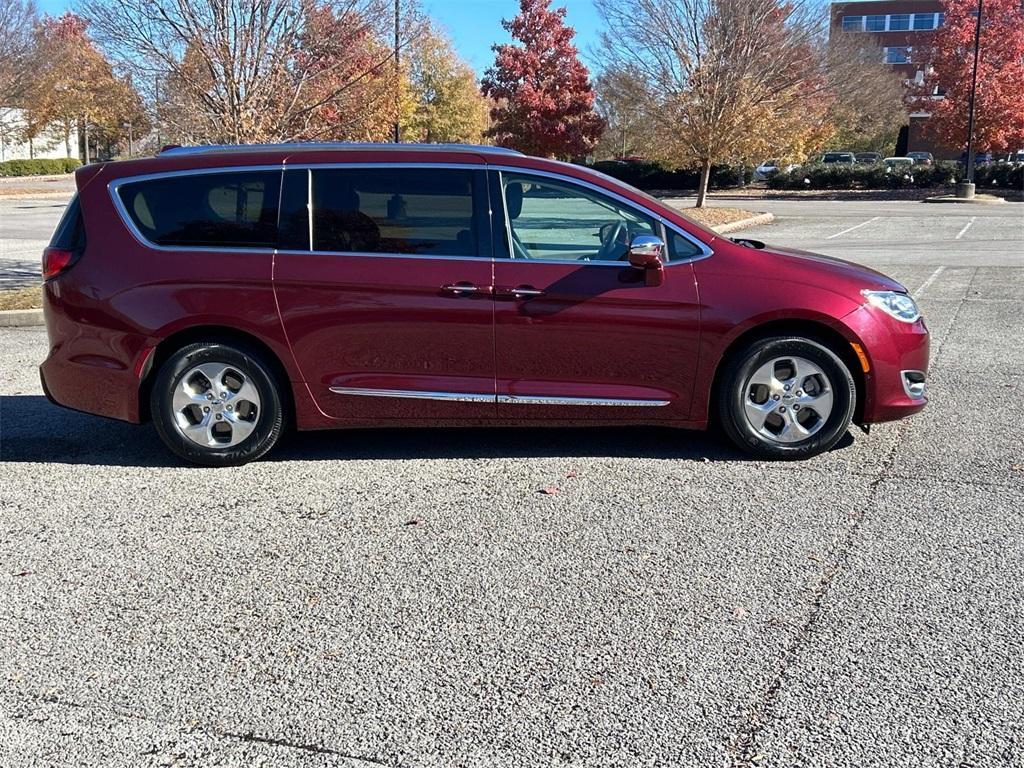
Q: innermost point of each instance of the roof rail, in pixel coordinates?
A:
(312, 146)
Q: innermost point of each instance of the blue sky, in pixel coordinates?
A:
(474, 25)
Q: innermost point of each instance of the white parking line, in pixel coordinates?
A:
(858, 226)
(929, 281)
(966, 227)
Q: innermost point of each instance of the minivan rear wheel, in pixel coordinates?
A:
(216, 404)
(786, 398)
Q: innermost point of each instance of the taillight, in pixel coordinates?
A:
(56, 260)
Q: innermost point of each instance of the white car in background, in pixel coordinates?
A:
(769, 168)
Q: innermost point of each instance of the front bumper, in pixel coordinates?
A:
(897, 355)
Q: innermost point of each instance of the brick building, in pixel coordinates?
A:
(898, 26)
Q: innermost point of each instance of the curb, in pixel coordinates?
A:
(980, 199)
(21, 318)
(753, 221)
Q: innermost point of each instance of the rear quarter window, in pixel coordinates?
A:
(217, 210)
(70, 231)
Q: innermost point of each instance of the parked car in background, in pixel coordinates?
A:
(769, 168)
(868, 158)
(921, 158)
(226, 293)
(845, 158)
(898, 163)
(1013, 158)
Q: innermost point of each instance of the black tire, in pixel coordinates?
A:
(266, 420)
(733, 390)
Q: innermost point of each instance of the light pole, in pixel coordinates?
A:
(398, 74)
(131, 148)
(966, 188)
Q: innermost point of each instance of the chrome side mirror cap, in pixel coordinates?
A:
(647, 252)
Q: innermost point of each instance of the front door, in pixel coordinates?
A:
(578, 333)
(386, 294)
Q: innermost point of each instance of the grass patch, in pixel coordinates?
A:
(22, 298)
(715, 217)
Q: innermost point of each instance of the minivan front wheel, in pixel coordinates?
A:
(786, 398)
(216, 404)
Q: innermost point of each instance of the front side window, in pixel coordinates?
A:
(853, 23)
(551, 219)
(206, 210)
(416, 211)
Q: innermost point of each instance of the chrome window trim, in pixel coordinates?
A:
(113, 186)
(706, 250)
(479, 397)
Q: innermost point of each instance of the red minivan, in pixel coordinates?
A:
(228, 292)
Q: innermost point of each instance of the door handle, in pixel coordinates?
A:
(462, 289)
(520, 292)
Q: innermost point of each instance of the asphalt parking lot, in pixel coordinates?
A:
(411, 598)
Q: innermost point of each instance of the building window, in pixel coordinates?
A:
(874, 23)
(853, 23)
(899, 22)
(940, 20)
(924, 21)
(897, 55)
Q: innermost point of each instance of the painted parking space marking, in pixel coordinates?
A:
(966, 227)
(850, 229)
(931, 279)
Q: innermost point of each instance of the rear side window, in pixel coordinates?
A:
(217, 210)
(426, 211)
(70, 232)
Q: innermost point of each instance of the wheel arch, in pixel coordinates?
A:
(815, 330)
(217, 334)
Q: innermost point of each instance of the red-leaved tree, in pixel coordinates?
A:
(999, 105)
(545, 103)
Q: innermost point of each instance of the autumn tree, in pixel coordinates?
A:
(354, 91)
(999, 105)
(449, 106)
(545, 103)
(866, 96)
(17, 20)
(274, 70)
(74, 84)
(624, 101)
(729, 80)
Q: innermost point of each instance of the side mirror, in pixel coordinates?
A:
(645, 252)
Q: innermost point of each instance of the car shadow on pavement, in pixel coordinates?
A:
(34, 430)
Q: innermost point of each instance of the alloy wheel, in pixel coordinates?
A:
(788, 399)
(215, 405)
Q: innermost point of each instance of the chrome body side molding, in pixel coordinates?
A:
(474, 397)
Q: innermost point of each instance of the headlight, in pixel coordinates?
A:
(898, 305)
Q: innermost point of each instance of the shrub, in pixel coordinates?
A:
(38, 166)
(944, 173)
(655, 176)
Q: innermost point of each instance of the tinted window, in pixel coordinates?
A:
(875, 23)
(402, 210)
(233, 210)
(294, 232)
(70, 232)
(853, 23)
(552, 219)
